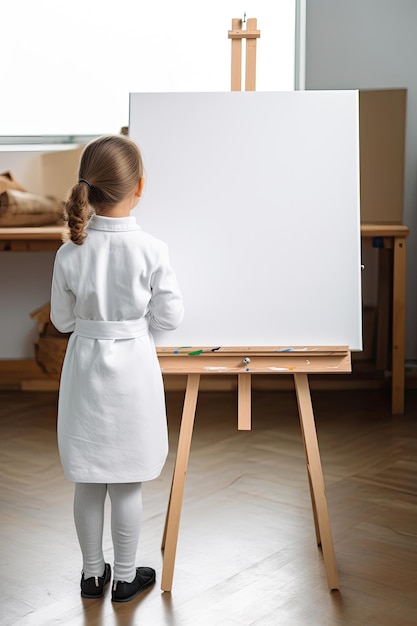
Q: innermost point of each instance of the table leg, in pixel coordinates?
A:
(398, 326)
(384, 314)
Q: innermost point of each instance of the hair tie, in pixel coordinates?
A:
(82, 180)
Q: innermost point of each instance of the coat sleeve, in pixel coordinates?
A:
(166, 309)
(62, 300)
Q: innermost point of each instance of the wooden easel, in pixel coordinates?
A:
(242, 361)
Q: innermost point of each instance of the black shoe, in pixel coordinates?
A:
(93, 587)
(123, 592)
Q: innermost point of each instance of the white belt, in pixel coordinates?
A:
(100, 329)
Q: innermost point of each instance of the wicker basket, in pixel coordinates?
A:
(50, 350)
(51, 345)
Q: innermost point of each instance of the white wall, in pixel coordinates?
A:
(26, 166)
(25, 283)
(372, 44)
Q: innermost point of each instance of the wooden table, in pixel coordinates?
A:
(386, 237)
(391, 279)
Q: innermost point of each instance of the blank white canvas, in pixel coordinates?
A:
(257, 196)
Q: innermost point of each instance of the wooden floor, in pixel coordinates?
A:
(246, 552)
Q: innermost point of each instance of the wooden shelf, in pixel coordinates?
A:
(31, 238)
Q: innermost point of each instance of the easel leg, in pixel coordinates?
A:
(172, 521)
(318, 497)
(236, 76)
(250, 75)
(313, 502)
(244, 402)
(164, 536)
(310, 484)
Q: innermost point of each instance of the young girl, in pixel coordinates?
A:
(112, 284)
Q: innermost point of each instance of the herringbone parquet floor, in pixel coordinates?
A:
(246, 554)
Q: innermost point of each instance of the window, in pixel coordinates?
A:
(69, 65)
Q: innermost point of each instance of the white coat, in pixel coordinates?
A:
(110, 292)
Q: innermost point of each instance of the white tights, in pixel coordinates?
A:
(126, 518)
